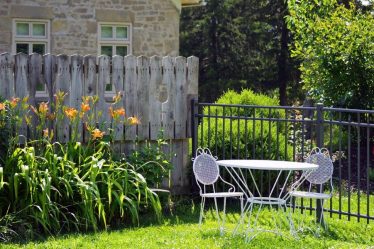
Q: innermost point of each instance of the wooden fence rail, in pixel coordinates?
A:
(157, 90)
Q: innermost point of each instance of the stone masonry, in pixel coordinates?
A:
(74, 23)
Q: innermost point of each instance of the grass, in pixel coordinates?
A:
(182, 231)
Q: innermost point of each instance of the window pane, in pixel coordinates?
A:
(121, 50)
(121, 32)
(38, 48)
(22, 29)
(38, 29)
(108, 87)
(40, 87)
(107, 50)
(22, 48)
(106, 32)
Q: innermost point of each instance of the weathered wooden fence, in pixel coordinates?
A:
(156, 90)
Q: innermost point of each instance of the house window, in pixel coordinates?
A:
(114, 39)
(31, 36)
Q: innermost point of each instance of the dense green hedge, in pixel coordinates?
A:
(245, 138)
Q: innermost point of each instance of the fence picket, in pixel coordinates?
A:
(157, 95)
(130, 93)
(21, 82)
(117, 77)
(90, 78)
(180, 108)
(63, 86)
(192, 86)
(103, 117)
(143, 96)
(77, 84)
(168, 106)
(49, 69)
(6, 75)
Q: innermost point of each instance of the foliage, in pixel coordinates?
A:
(240, 43)
(151, 161)
(50, 187)
(335, 45)
(249, 136)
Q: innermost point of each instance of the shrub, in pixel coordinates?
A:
(240, 138)
(151, 161)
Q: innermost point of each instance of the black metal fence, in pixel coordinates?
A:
(289, 133)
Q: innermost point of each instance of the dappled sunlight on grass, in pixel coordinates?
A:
(182, 230)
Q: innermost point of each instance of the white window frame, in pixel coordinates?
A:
(30, 39)
(114, 41)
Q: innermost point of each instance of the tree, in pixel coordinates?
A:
(241, 44)
(336, 47)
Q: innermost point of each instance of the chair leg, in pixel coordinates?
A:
(292, 225)
(224, 217)
(201, 210)
(323, 216)
(241, 218)
(217, 213)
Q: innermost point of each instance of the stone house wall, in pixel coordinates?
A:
(74, 23)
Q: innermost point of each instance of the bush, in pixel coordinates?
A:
(239, 138)
(151, 161)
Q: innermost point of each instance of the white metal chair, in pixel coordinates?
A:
(206, 173)
(317, 178)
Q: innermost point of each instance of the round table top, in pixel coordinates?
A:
(266, 164)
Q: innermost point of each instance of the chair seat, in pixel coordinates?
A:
(310, 195)
(222, 194)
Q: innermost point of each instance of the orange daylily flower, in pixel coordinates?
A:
(71, 112)
(2, 106)
(85, 107)
(14, 102)
(121, 111)
(117, 113)
(134, 120)
(97, 134)
(43, 108)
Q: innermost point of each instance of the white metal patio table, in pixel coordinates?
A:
(242, 170)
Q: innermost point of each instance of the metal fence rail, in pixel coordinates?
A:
(289, 133)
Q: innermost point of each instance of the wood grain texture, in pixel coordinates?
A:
(168, 106)
(63, 86)
(130, 95)
(143, 97)
(6, 76)
(158, 94)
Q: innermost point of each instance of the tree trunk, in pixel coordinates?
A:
(283, 63)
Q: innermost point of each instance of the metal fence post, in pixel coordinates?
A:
(320, 144)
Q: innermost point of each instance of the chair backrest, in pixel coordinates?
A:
(322, 158)
(205, 167)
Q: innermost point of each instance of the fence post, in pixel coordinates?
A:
(194, 123)
(320, 144)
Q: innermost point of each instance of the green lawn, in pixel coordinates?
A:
(182, 231)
